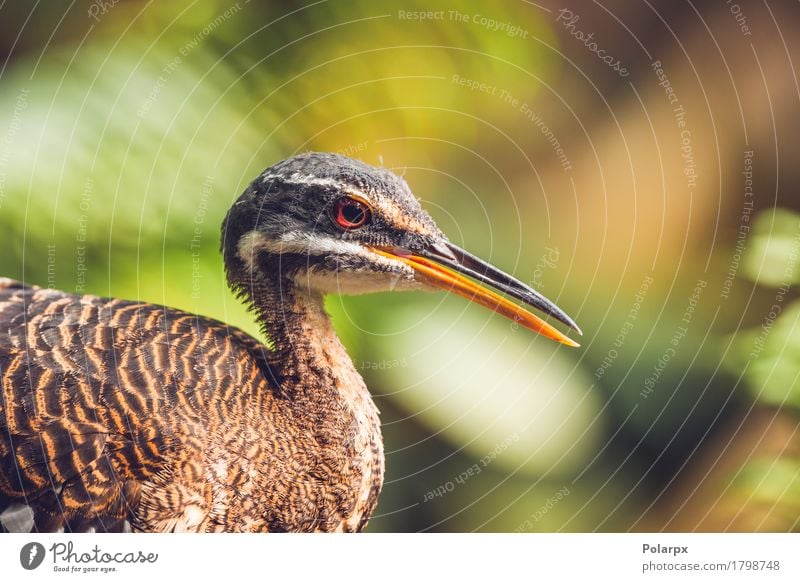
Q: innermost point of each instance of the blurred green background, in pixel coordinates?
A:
(652, 195)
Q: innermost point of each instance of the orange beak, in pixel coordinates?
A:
(448, 267)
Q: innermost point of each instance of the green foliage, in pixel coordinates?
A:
(769, 354)
(773, 485)
(772, 258)
(772, 481)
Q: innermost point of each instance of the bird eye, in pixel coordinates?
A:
(349, 213)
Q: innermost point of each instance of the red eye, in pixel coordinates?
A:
(349, 213)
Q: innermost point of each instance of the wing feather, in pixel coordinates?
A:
(88, 389)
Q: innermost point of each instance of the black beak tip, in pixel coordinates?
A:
(445, 252)
(563, 318)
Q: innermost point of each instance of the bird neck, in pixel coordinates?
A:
(308, 360)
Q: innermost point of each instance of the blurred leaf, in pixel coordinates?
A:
(771, 354)
(506, 395)
(773, 251)
(772, 481)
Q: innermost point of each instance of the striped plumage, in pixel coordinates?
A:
(120, 415)
(115, 411)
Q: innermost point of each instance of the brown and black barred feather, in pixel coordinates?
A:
(117, 414)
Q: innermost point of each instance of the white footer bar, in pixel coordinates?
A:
(414, 557)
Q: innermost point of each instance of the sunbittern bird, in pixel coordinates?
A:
(117, 414)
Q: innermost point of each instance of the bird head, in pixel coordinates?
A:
(332, 224)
